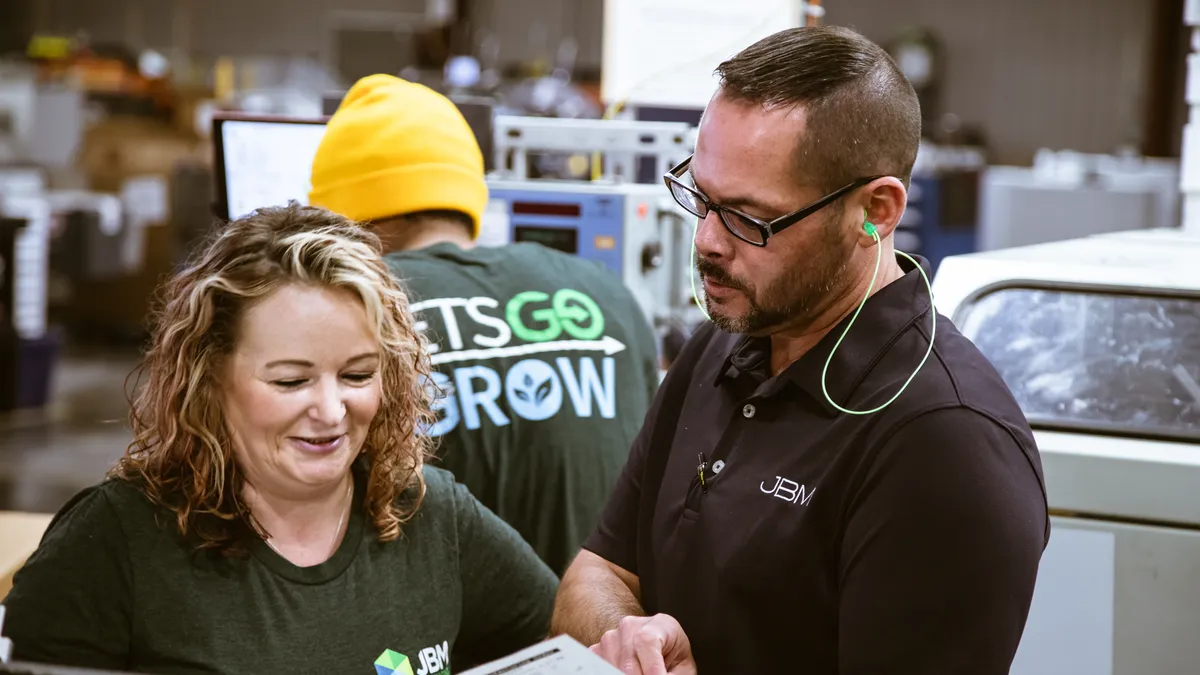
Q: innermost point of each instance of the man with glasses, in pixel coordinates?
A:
(831, 479)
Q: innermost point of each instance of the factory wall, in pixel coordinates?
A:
(216, 27)
(16, 19)
(528, 29)
(514, 21)
(1031, 73)
(1064, 73)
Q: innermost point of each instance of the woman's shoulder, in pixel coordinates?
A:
(447, 505)
(443, 493)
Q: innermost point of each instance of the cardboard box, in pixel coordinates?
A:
(193, 112)
(120, 148)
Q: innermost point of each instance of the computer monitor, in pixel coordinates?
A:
(262, 161)
(480, 112)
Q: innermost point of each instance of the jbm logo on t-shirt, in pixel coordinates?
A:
(564, 357)
(435, 660)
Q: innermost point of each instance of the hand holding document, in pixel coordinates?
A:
(558, 656)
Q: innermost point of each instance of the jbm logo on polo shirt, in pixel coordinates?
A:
(788, 490)
(434, 661)
(573, 361)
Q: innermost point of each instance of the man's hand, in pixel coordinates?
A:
(654, 645)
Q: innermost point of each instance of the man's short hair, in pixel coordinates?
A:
(862, 114)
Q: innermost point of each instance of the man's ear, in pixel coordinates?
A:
(885, 199)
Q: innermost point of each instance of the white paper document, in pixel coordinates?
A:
(558, 656)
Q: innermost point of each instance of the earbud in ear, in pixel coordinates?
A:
(868, 227)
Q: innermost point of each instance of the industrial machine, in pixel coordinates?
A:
(1080, 194)
(1099, 340)
(635, 230)
(939, 218)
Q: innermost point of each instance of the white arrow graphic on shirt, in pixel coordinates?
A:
(608, 345)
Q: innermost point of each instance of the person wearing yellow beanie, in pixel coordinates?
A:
(547, 362)
(400, 156)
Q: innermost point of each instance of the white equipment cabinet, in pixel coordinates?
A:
(1099, 339)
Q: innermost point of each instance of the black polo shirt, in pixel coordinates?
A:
(904, 541)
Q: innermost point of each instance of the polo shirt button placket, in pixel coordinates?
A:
(748, 410)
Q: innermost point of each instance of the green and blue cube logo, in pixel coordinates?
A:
(393, 663)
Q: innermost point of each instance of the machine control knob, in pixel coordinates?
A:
(652, 256)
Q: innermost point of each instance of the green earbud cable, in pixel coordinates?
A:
(870, 229)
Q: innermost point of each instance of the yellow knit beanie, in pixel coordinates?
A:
(395, 147)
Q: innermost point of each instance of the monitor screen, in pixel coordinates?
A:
(262, 162)
(565, 239)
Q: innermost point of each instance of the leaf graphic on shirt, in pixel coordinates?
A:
(528, 381)
(543, 391)
(521, 394)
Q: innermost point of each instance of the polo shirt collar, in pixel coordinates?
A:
(886, 315)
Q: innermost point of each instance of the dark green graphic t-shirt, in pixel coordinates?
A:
(114, 586)
(547, 365)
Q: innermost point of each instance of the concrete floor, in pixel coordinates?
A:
(48, 454)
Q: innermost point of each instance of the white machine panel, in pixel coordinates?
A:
(1070, 628)
(1070, 195)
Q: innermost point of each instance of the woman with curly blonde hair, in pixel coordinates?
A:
(274, 512)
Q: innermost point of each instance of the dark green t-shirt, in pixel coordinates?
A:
(113, 586)
(548, 365)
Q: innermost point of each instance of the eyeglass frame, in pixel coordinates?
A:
(767, 228)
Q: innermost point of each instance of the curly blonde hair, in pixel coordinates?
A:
(181, 455)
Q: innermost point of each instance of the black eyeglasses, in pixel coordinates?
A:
(749, 229)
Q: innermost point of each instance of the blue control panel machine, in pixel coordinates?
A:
(632, 229)
(587, 225)
(940, 218)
